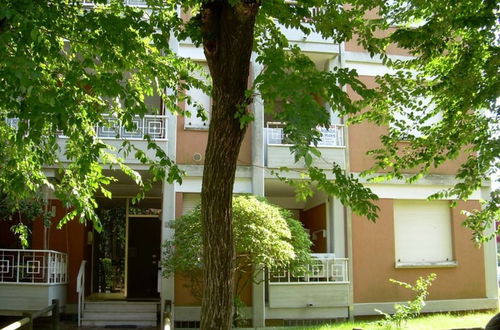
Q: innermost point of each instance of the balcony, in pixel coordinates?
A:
(324, 289)
(30, 279)
(331, 146)
(114, 133)
(313, 42)
(135, 3)
(152, 125)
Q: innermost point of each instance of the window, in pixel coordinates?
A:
(190, 201)
(198, 96)
(423, 233)
(411, 122)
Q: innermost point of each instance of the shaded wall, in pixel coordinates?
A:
(314, 219)
(193, 141)
(70, 239)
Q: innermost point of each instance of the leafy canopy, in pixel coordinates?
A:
(63, 66)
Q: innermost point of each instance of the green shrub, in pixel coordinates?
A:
(412, 309)
(264, 235)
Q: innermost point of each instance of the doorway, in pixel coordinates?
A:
(143, 257)
(126, 254)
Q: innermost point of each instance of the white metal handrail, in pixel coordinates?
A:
(325, 269)
(80, 290)
(332, 136)
(153, 125)
(33, 266)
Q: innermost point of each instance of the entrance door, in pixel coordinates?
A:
(144, 239)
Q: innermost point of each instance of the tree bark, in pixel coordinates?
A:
(227, 41)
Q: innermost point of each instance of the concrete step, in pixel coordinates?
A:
(87, 323)
(125, 316)
(120, 306)
(120, 313)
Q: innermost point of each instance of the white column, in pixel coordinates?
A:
(167, 234)
(168, 201)
(347, 212)
(258, 289)
(490, 256)
(339, 229)
(334, 116)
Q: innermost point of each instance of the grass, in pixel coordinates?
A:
(431, 321)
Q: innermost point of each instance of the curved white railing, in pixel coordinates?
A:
(80, 289)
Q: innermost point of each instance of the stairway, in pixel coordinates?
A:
(120, 313)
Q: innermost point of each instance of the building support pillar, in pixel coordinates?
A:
(490, 257)
(168, 215)
(258, 285)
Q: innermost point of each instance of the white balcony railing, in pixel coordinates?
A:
(33, 266)
(330, 137)
(315, 11)
(326, 269)
(153, 125)
(135, 3)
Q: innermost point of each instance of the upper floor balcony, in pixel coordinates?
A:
(135, 3)
(331, 145)
(312, 42)
(114, 133)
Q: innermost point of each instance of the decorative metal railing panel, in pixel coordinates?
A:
(325, 269)
(153, 125)
(332, 136)
(136, 3)
(33, 266)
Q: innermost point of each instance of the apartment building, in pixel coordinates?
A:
(115, 278)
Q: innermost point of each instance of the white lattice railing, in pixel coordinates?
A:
(153, 125)
(137, 3)
(326, 269)
(33, 266)
(330, 137)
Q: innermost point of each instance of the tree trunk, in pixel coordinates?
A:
(227, 41)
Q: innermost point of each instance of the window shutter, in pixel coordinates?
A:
(422, 231)
(190, 201)
(198, 96)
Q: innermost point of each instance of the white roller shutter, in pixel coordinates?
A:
(190, 201)
(197, 95)
(422, 231)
